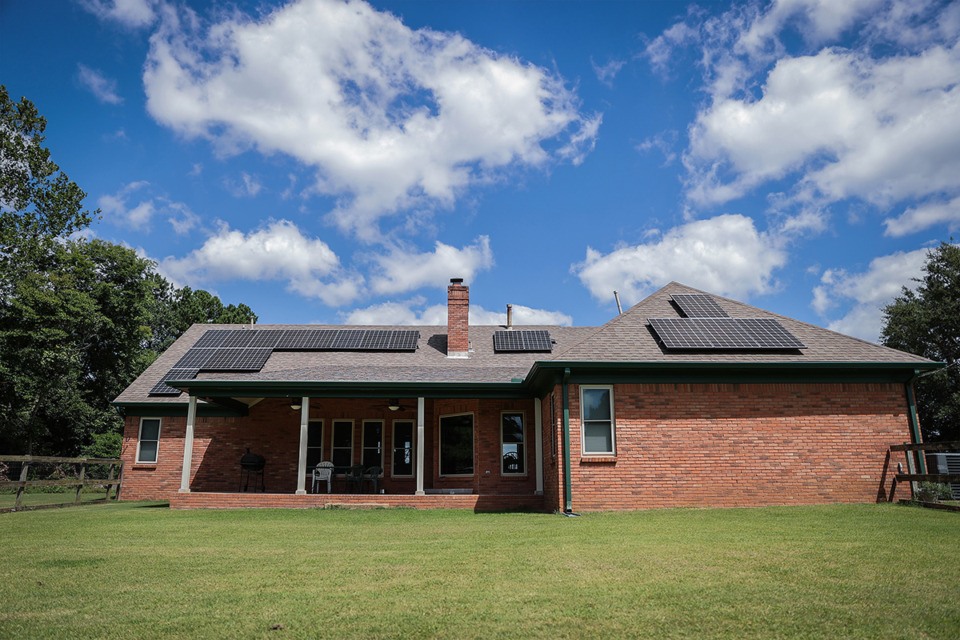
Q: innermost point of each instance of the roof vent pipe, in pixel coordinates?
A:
(509, 316)
(619, 308)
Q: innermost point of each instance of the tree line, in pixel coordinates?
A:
(80, 318)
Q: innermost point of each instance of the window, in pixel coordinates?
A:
(596, 418)
(314, 443)
(402, 448)
(511, 443)
(342, 450)
(149, 440)
(372, 444)
(456, 445)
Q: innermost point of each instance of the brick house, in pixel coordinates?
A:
(685, 399)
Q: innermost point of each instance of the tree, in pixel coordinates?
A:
(38, 202)
(79, 320)
(926, 322)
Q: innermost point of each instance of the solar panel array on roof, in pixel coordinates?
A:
(162, 389)
(249, 349)
(724, 334)
(522, 340)
(699, 305)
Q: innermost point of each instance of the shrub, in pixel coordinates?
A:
(932, 492)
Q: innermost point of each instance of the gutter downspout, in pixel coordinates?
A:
(567, 490)
(914, 421)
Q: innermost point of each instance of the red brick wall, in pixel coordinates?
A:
(732, 445)
(458, 313)
(273, 430)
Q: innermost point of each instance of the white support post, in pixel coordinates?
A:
(304, 432)
(188, 446)
(420, 437)
(538, 442)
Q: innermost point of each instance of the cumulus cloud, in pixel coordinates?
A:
(391, 117)
(404, 270)
(925, 216)
(866, 293)
(116, 208)
(105, 89)
(724, 255)
(133, 14)
(850, 126)
(277, 251)
(413, 312)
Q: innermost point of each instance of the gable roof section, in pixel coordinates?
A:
(630, 338)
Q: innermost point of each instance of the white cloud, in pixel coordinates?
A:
(248, 186)
(924, 216)
(850, 126)
(105, 89)
(403, 270)
(391, 118)
(130, 13)
(407, 313)
(607, 72)
(277, 251)
(867, 292)
(115, 207)
(725, 255)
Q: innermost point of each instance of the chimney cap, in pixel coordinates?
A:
(456, 280)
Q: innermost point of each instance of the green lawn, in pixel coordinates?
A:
(135, 570)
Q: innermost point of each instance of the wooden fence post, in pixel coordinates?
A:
(83, 472)
(23, 479)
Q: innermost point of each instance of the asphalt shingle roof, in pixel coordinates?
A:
(626, 338)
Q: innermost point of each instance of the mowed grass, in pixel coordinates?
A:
(135, 570)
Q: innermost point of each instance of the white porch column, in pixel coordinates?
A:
(420, 437)
(304, 431)
(538, 443)
(188, 446)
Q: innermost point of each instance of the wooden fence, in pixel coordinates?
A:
(80, 480)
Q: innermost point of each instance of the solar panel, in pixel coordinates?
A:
(347, 340)
(388, 340)
(698, 305)
(213, 338)
(265, 338)
(195, 357)
(522, 340)
(227, 359)
(240, 338)
(163, 389)
(770, 334)
(306, 339)
(724, 334)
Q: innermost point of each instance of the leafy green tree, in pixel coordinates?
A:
(926, 322)
(79, 320)
(38, 202)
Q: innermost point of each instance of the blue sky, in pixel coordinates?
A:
(339, 162)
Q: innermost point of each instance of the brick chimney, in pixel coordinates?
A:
(458, 316)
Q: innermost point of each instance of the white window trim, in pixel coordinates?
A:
(333, 432)
(363, 441)
(473, 444)
(413, 448)
(613, 423)
(523, 422)
(139, 439)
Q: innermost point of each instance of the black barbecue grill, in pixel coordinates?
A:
(251, 466)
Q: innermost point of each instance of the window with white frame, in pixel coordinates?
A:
(512, 456)
(456, 445)
(596, 419)
(403, 448)
(148, 441)
(314, 443)
(372, 444)
(342, 450)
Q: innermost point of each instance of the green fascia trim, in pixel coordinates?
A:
(544, 374)
(173, 409)
(326, 389)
